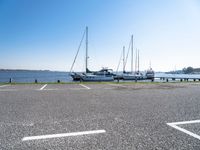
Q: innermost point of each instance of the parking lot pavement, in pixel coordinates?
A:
(132, 119)
(92, 86)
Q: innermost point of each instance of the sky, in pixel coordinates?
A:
(45, 34)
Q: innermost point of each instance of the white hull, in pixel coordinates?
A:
(132, 77)
(96, 78)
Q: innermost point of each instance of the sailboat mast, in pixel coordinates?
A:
(123, 59)
(138, 60)
(150, 65)
(86, 58)
(135, 61)
(132, 54)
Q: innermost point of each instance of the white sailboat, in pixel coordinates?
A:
(132, 75)
(102, 75)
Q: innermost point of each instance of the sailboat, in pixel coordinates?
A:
(104, 74)
(132, 75)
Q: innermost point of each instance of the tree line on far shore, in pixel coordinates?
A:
(191, 70)
(186, 70)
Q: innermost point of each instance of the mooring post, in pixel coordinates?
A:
(10, 80)
(36, 81)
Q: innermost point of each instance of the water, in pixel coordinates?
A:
(54, 76)
(193, 76)
(31, 76)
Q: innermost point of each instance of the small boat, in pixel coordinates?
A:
(150, 74)
(75, 76)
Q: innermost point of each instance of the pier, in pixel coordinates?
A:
(177, 78)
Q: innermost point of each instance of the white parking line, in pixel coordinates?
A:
(62, 135)
(174, 125)
(43, 87)
(4, 85)
(185, 122)
(85, 86)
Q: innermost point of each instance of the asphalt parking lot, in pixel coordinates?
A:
(100, 116)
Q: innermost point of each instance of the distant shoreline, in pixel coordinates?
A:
(30, 70)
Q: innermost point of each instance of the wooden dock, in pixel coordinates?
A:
(177, 78)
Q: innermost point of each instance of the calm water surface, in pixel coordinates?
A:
(30, 76)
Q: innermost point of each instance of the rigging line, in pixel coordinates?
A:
(127, 54)
(119, 62)
(77, 51)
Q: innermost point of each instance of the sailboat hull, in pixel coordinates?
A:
(132, 77)
(96, 78)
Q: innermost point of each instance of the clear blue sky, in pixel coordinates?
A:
(45, 34)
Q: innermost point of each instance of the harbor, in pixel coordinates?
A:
(65, 77)
(106, 74)
(99, 75)
(103, 75)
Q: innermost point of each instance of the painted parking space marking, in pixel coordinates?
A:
(85, 86)
(49, 136)
(175, 125)
(42, 88)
